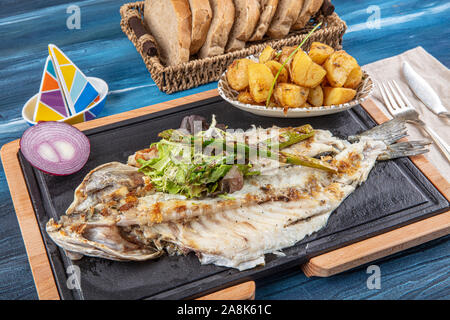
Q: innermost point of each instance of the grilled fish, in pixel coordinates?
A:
(117, 214)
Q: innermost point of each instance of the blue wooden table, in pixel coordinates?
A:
(100, 49)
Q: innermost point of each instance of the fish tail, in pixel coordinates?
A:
(388, 132)
(404, 149)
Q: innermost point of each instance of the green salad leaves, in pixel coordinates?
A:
(179, 170)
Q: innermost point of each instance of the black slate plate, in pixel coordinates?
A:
(395, 194)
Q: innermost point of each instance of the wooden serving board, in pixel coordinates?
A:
(324, 265)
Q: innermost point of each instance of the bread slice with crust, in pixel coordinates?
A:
(162, 16)
(285, 16)
(201, 20)
(268, 9)
(247, 16)
(310, 8)
(219, 30)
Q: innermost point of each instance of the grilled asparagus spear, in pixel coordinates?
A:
(287, 138)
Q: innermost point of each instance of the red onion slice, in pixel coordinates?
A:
(56, 148)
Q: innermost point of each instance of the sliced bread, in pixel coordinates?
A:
(201, 20)
(169, 22)
(268, 9)
(310, 8)
(247, 16)
(219, 30)
(285, 16)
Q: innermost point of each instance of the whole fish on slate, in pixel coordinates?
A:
(119, 213)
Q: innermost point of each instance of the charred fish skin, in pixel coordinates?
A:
(117, 215)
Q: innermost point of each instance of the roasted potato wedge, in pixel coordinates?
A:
(237, 74)
(336, 96)
(285, 53)
(338, 67)
(289, 95)
(267, 54)
(305, 72)
(260, 79)
(245, 97)
(274, 67)
(315, 96)
(319, 52)
(354, 78)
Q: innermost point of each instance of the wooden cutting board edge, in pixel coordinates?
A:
(323, 265)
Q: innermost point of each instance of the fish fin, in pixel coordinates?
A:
(388, 132)
(404, 149)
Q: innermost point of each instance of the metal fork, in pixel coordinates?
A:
(400, 107)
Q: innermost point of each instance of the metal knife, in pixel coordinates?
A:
(424, 91)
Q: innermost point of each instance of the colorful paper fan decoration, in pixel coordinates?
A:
(78, 91)
(51, 104)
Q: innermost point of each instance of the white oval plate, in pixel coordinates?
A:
(364, 91)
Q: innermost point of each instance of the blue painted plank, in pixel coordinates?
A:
(100, 49)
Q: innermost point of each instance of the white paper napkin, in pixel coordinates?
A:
(438, 76)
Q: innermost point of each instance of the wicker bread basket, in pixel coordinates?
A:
(196, 72)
